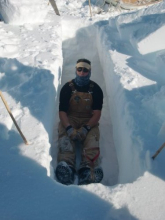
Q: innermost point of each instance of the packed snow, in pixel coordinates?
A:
(38, 52)
(23, 11)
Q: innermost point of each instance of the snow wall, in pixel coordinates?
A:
(128, 147)
(12, 13)
(131, 81)
(30, 69)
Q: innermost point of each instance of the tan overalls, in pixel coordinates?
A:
(80, 111)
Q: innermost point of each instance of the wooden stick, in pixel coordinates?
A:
(53, 3)
(158, 151)
(90, 7)
(9, 111)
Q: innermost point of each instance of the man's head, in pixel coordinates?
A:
(83, 72)
(83, 63)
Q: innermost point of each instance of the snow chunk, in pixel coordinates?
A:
(23, 11)
(150, 43)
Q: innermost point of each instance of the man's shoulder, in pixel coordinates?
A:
(95, 85)
(67, 84)
(66, 87)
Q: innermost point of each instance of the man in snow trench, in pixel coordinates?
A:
(79, 110)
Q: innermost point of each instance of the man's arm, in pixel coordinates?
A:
(83, 131)
(92, 122)
(71, 132)
(64, 119)
(95, 118)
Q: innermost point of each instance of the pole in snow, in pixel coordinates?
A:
(90, 7)
(12, 117)
(158, 151)
(53, 4)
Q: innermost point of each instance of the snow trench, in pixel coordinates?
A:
(120, 149)
(82, 43)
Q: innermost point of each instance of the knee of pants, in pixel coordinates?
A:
(92, 139)
(66, 151)
(65, 145)
(90, 157)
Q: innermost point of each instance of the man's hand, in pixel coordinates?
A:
(82, 132)
(72, 132)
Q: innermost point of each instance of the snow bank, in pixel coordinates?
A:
(23, 11)
(133, 81)
(30, 79)
(140, 200)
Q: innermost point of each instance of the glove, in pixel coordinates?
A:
(71, 132)
(82, 132)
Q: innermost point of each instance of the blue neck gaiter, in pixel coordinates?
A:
(82, 80)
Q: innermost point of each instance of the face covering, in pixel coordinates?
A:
(82, 80)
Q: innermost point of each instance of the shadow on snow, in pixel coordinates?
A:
(29, 193)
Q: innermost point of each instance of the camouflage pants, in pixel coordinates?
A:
(90, 146)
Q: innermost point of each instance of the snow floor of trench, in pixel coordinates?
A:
(81, 42)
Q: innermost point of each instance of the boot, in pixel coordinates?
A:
(85, 177)
(65, 173)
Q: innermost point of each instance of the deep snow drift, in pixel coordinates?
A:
(35, 61)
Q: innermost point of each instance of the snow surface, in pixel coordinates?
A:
(23, 11)
(37, 57)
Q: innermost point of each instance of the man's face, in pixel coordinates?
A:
(82, 71)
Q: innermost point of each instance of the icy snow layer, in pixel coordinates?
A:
(23, 11)
(132, 119)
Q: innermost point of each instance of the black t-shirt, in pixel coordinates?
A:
(66, 93)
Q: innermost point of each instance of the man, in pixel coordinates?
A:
(80, 109)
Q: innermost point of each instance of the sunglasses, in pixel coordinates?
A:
(85, 70)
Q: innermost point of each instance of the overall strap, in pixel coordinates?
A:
(91, 88)
(71, 84)
(95, 157)
(92, 160)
